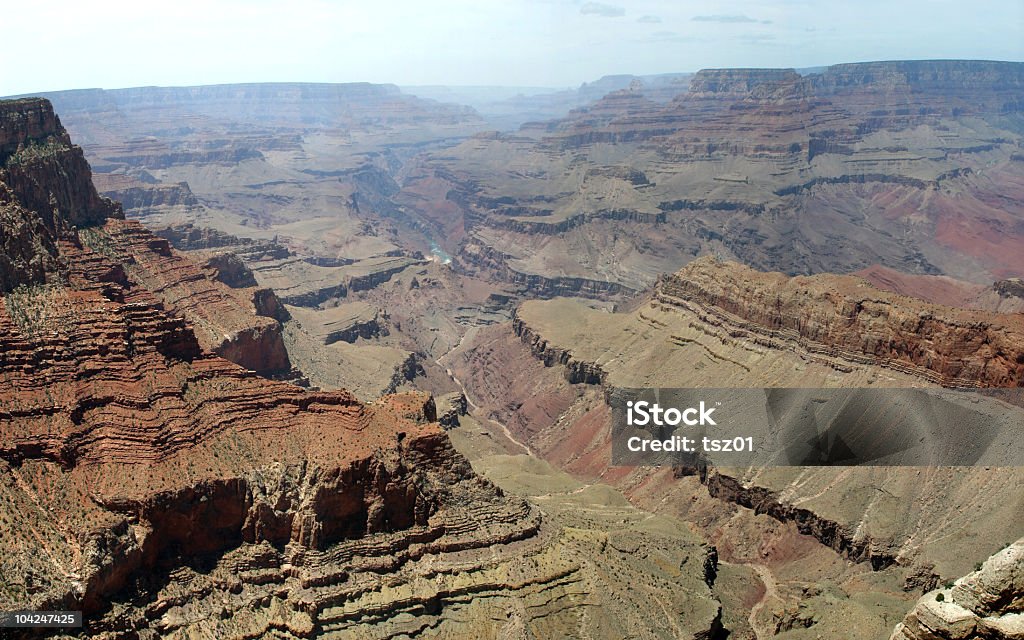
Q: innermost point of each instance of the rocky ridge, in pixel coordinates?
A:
(842, 317)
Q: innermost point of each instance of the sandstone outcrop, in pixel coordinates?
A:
(988, 603)
(139, 197)
(188, 237)
(45, 172)
(301, 283)
(25, 121)
(229, 269)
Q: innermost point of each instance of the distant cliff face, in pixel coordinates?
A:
(933, 76)
(975, 84)
(842, 316)
(44, 171)
(739, 81)
(915, 166)
(307, 104)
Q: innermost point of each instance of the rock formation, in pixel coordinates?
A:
(988, 603)
(721, 324)
(35, 144)
(842, 317)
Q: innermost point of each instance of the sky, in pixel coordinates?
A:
(71, 44)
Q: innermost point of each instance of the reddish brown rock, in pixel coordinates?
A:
(27, 252)
(843, 316)
(46, 173)
(29, 119)
(225, 321)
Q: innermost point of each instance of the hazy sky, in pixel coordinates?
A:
(66, 44)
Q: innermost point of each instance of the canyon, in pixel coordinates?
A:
(307, 360)
(163, 489)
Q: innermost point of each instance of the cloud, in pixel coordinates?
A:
(729, 19)
(649, 19)
(604, 10)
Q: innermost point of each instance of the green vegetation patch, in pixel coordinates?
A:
(36, 307)
(34, 150)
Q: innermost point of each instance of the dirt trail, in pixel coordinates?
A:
(469, 400)
(763, 629)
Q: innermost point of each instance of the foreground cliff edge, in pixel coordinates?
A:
(164, 490)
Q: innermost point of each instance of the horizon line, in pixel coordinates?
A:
(15, 96)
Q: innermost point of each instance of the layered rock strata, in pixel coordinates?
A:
(225, 321)
(45, 172)
(843, 317)
(908, 165)
(721, 322)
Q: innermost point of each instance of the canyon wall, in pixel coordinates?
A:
(723, 325)
(843, 317)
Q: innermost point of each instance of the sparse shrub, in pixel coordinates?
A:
(32, 307)
(940, 597)
(35, 150)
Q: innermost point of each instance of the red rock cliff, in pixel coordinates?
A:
(844, 316)
(47, 173)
